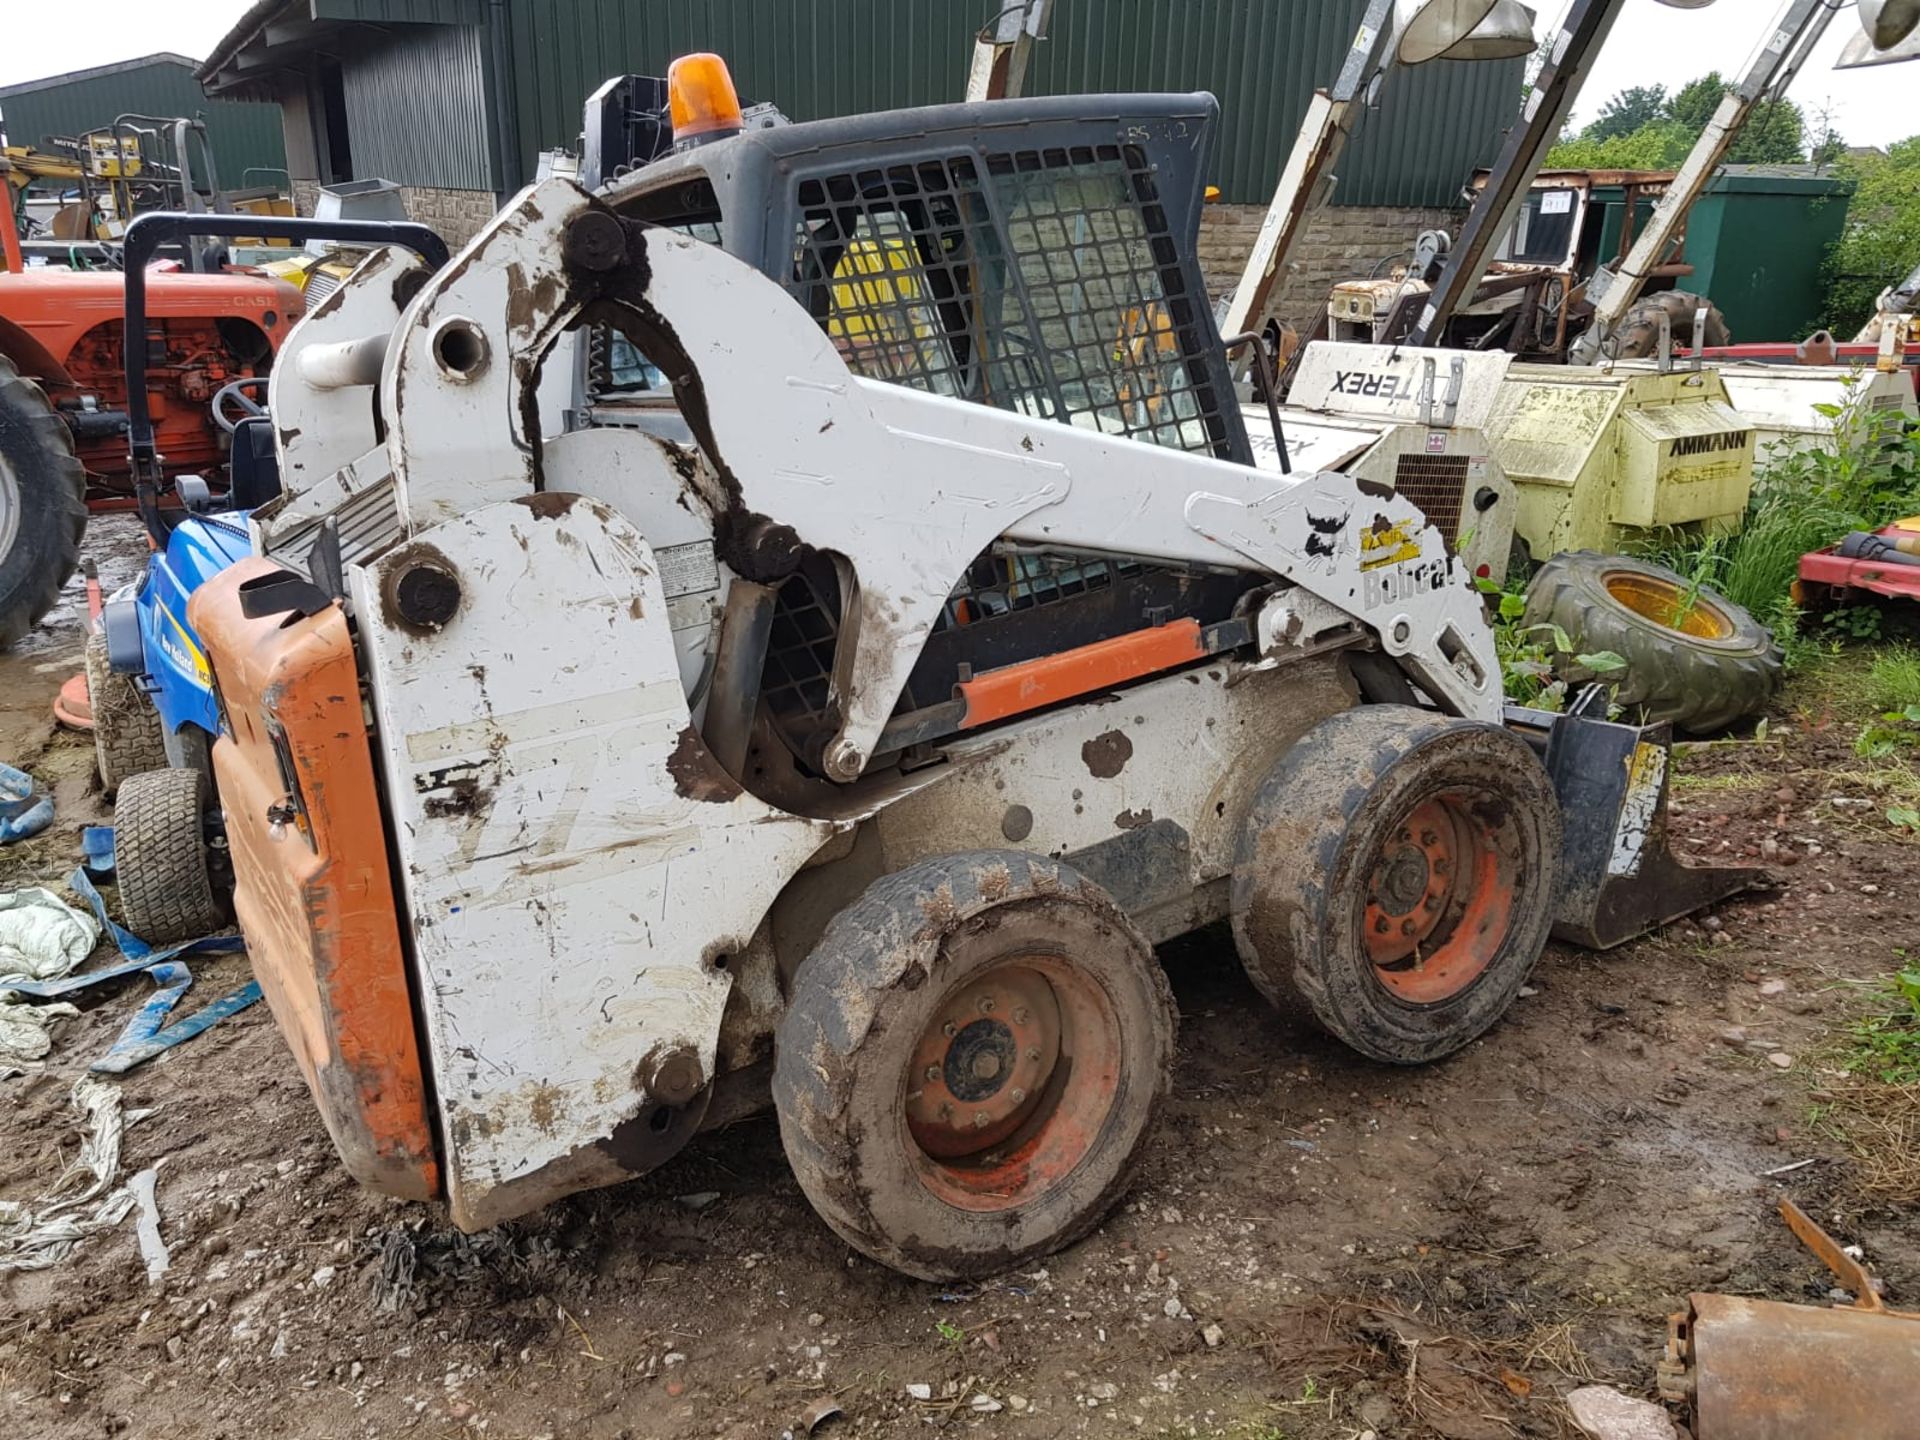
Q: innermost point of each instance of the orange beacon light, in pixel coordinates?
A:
(701, 99)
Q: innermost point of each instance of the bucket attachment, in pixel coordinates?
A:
(1764, 1370)
(1618, 878)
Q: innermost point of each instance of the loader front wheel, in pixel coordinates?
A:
(972, 1063)
(1396, 874)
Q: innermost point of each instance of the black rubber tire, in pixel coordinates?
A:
(877, 980)
(47, 486)
(1638, 335)
(127, 737)
(1319, 827)
(1698, 684)
(160, 857)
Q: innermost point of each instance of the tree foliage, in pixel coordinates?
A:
(1627, 111)
(1644, 128)
(1882, 240)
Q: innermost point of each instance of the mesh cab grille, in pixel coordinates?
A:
(1043, 281)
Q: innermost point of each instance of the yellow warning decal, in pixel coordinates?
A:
(1387, 545)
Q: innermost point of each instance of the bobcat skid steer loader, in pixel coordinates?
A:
(852, 752)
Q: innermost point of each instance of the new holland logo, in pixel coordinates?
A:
(1712, 444)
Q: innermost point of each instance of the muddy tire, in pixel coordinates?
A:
(1700, 667)
(42, 504)
(126, 728)
(160, 857)
(972, 1065)
(1396, 877)
(1638, 337)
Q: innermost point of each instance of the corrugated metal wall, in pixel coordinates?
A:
(415, 12)
(416, 106)
(244, 134)
(815, 58)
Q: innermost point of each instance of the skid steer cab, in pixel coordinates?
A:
(842, 723)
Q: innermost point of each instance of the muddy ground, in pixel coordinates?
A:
(1319, 1247)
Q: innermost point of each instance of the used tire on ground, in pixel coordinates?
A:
(126, 728)
(1638, 335)
(42, 504)
(160, 857)
(1396, 877)
(972, 1064)
(1693, 657)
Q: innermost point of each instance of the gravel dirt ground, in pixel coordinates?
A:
(1318, 1247)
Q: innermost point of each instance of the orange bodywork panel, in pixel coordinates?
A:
(1035, 684)
(312, 889)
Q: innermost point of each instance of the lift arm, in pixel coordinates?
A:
(1783, 50)
(1308, 174)
(1542, 117)
(1003, 48)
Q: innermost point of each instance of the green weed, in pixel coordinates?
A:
(1885, 1046)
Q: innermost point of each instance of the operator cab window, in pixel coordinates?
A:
(616, 368)
(1044, 282)
(1544, 232)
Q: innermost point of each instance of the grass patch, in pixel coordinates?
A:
(1731, 780)
(1885, 1045)
(1893, 680)
(1866, 476)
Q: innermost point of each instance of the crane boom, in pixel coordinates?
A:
(1783, 50)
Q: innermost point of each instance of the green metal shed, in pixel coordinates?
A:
(1758, 240)
(245, 134)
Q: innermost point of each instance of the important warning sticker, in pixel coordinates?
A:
(688, 569)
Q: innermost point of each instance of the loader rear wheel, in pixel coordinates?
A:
(1638, 337)
(972, 1064)
(161, 859)
(1396, 874)
(1693, 657)
(127, 734)
(42, 504)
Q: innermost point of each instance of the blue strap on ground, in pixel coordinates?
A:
(147, 1034)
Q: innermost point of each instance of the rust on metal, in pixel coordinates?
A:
(1767, 1370)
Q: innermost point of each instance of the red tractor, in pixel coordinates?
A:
(63, 399)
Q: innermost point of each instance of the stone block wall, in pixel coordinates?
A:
(1341, 242)
(455, 214)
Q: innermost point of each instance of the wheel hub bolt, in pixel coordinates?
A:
(933, 1072)
(949, 1029)
(986, 1005)
(980, 1120)
(1018, 1095)
(1406, 927)
(1429, 839)
(1383, 925)
(1033, 1053)
(1020, 1015)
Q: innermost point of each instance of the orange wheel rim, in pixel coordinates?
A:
(1440, 897)
(1011, 1083)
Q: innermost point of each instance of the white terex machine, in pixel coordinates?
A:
(991, 698)
(1411, 420)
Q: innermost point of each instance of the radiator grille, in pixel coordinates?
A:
(1437, 484)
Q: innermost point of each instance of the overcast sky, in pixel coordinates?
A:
(1652, 45)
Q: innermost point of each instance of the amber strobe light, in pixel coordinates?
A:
(703, 100)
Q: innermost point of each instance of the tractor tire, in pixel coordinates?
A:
(43, 509)
(1396, 876)
(973, 1064)
(127, 734)
(1701, 671)
(161, 857)
(1638, 337)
